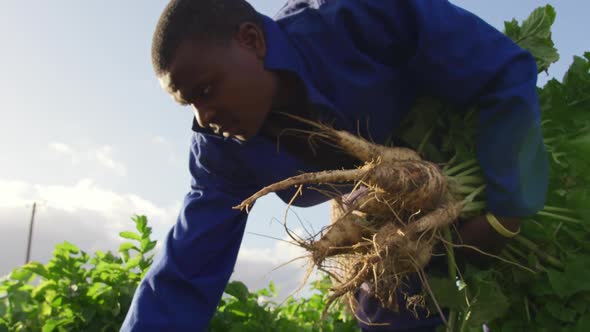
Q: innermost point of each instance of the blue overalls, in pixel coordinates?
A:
(360, 60)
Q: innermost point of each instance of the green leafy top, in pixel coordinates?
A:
(534, 35)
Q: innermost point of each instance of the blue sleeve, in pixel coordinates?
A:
(181, 290)
(452, 54)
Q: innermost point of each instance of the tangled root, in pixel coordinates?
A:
(344, 236)
(409, 185)
(384, 234)
(384, 260)
(356, 146)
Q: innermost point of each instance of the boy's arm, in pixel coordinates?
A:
(182, 289)
(463, 59)
(450, 53)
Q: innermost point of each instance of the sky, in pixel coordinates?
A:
(88, 134)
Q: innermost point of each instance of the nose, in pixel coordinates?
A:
(204, 116)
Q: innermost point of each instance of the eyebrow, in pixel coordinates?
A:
(181, 101)
(176, 95)
(173, 89)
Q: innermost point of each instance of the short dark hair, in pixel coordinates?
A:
(203, 20)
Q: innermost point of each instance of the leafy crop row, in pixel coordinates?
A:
(77, 292)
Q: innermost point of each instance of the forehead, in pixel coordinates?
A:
(167, 84)
(192, 60)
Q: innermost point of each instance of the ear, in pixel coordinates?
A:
(251, 37)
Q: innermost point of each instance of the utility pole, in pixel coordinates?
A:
(30, 233)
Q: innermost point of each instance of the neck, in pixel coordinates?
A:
(290, 98)
(291, 93)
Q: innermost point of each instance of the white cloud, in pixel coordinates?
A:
(104, 155)
(13, 193)
(64, 149)
(61, 147)
(91, 217)
(84, 214)
(86, 195)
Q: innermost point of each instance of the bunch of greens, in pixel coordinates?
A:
(542, 282)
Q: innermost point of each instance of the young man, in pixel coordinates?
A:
(336, 61)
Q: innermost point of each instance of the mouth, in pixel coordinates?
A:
(234, 134)
(218, 130)
(227, 132)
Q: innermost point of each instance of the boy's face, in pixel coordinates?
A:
(226, 84)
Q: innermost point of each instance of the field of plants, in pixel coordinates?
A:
(540, 281)
(79, 292)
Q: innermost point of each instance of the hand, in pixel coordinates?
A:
(479, 233)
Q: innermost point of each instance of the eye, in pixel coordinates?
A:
(204, 93)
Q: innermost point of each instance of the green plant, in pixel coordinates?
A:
(74, 291)
(77, 292)
(542, 282)
(245, 311)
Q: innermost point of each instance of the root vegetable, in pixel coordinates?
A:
(377, 236)
(341, 237)
(445, 215)
(357, 146)
(416, 184)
